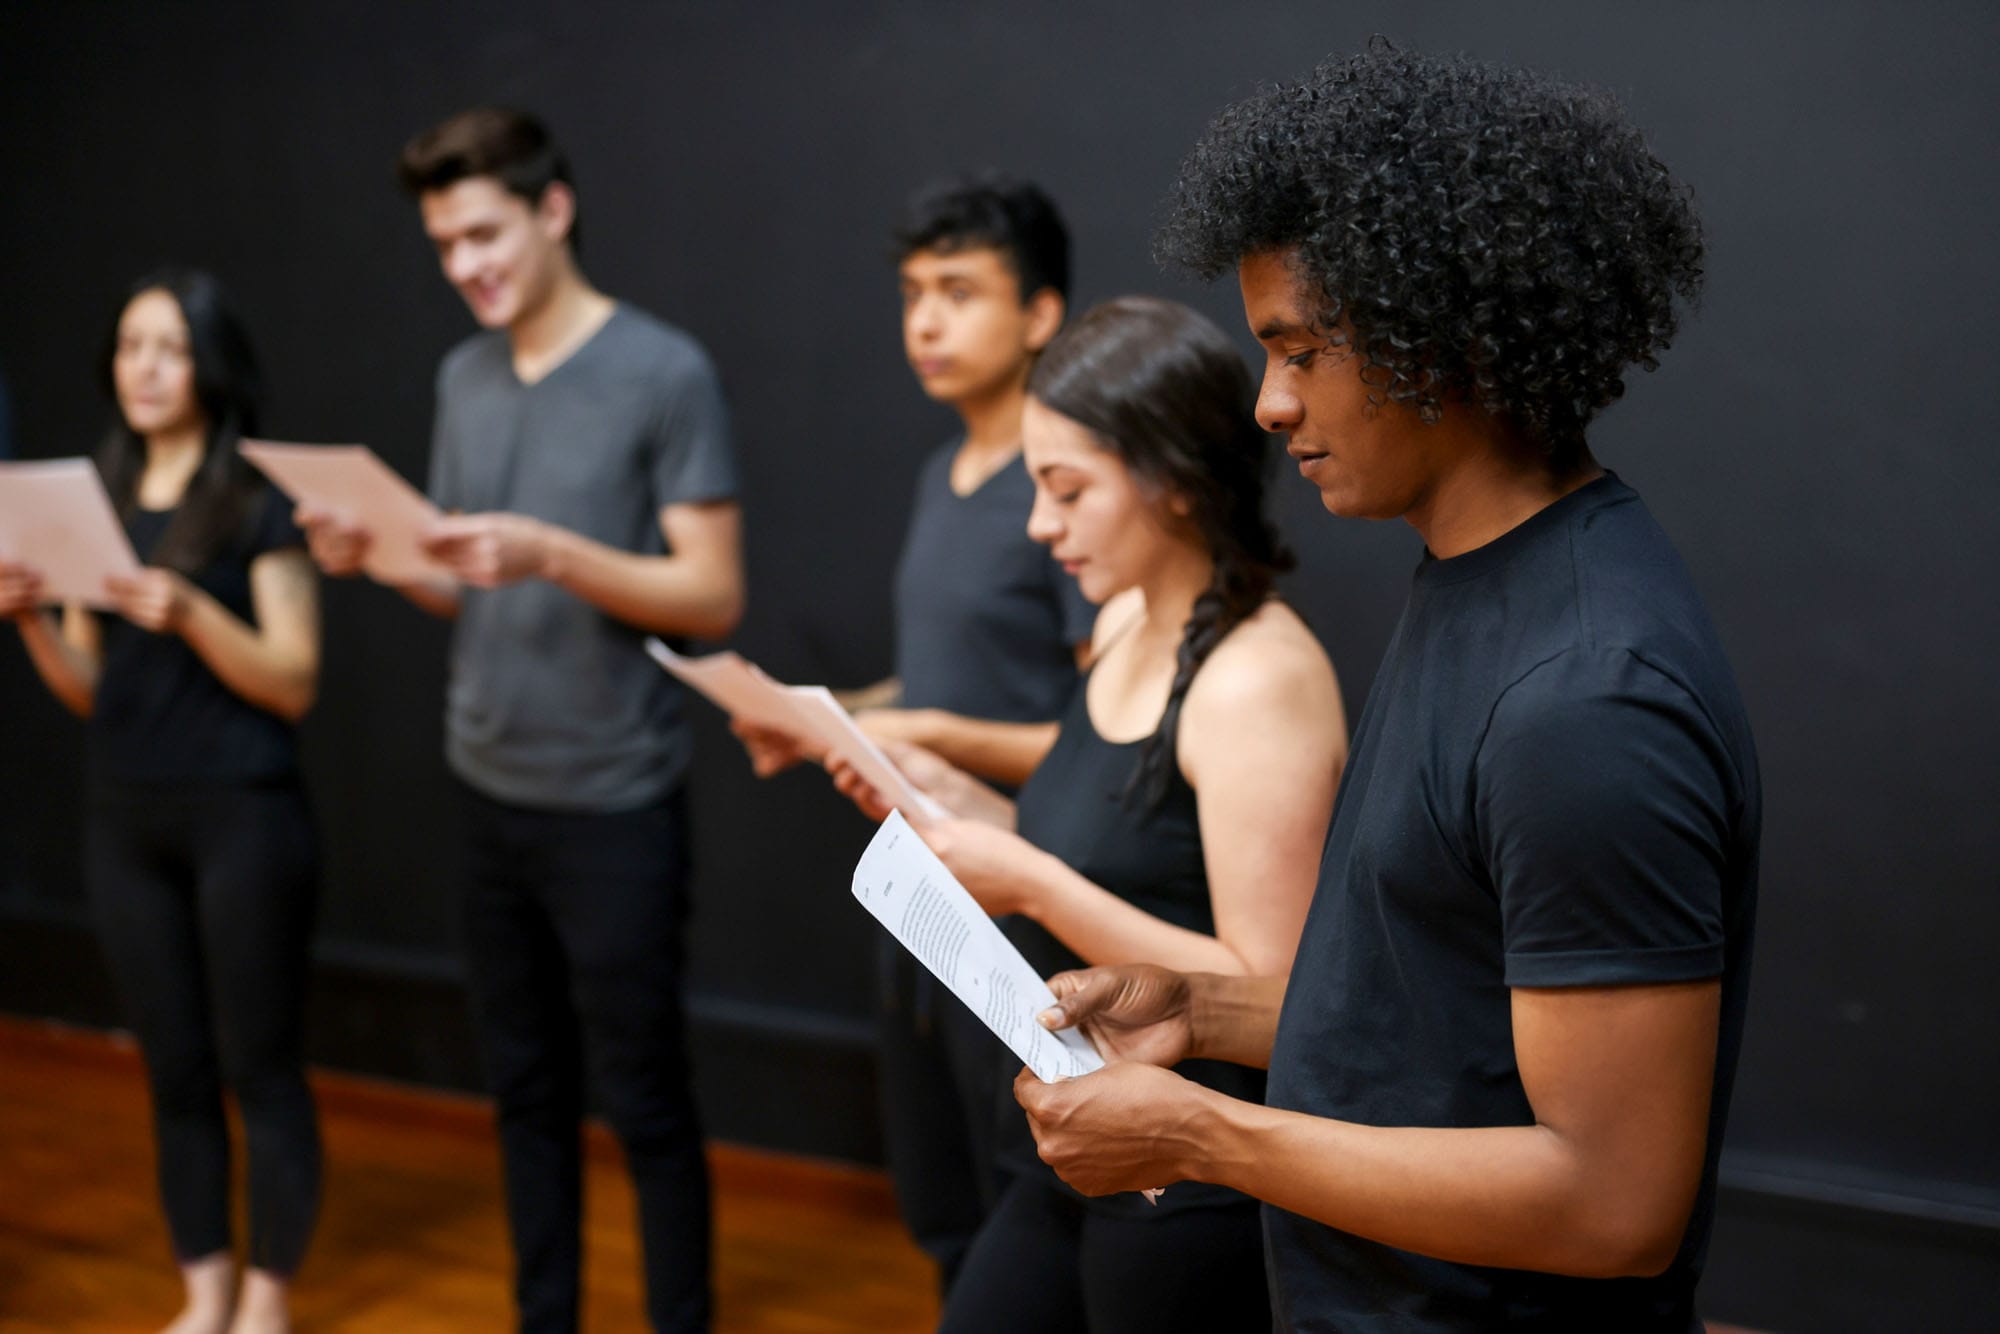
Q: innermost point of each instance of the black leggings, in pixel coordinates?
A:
(204, 898)
(1046, 1261)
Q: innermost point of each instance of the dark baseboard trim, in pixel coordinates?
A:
(1948, 1206)
(1816, 1246)
(401, 1015)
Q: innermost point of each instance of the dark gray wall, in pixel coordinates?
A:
(1820, 443)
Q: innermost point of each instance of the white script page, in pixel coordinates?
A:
(351, 482)
(56, 518)
(909, 891)
(810, 713)
(839, 733)
(734, 686)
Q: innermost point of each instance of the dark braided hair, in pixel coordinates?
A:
(1481, 235)
(1165, 391)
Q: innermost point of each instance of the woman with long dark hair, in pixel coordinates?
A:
(200, 856)
(1178, 817)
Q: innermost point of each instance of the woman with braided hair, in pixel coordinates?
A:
(1180, 812)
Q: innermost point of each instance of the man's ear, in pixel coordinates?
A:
(1046, 309)
(555, 211)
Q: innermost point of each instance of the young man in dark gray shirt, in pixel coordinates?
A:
(989, 632)
(582, 448)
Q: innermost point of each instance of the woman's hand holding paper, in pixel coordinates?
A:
(999, 868)
(20, 590)
(153, 599)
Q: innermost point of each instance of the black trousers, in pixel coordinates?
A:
(1048, 1262)
(939, 1079)
(573, 941)
(204, 897)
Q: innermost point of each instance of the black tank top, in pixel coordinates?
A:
(1076, 805)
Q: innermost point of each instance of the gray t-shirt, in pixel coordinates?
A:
(552, 703)
(986, 620)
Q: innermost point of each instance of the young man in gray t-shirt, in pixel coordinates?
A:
(582, 448)
(990, 631)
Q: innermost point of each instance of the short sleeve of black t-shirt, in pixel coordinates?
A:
(160, 714)
(987, 622)
(1602, 819)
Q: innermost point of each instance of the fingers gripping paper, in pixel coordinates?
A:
(902, 883)
(810, 713)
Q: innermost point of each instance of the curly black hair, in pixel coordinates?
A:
(995, 211)
(1479, 234)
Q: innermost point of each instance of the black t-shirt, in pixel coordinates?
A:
(160, 714)
(986, 620)
(1075, 806)
(1553, 784)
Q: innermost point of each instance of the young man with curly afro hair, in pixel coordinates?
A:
(1500, 1066)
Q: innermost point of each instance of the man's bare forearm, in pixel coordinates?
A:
(674, 595)
(1000, 752)
(1516, 1197)
(439, 597)
(1234, 1019)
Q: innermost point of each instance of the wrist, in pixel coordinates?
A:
(552, 556)
(926, 727)
(1203, 1014)
(1041, 886)
(1219, 1137)
(189, 603)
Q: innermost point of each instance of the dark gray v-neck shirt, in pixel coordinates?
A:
(986, 620)
(552, 703)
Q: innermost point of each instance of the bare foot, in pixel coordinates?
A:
(210, 1283)
(264, 1305)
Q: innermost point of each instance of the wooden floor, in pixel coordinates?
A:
(411, 1239)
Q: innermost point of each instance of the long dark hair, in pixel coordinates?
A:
(227, 386)
(1166, 392)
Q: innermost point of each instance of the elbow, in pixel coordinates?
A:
(1638, 1258)
(298, 703)
(295, 698)
(730, 614)
(1648, 1252)
(725, 613)
(1630, 1243)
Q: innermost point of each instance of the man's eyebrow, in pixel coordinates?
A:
(1279, 328)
